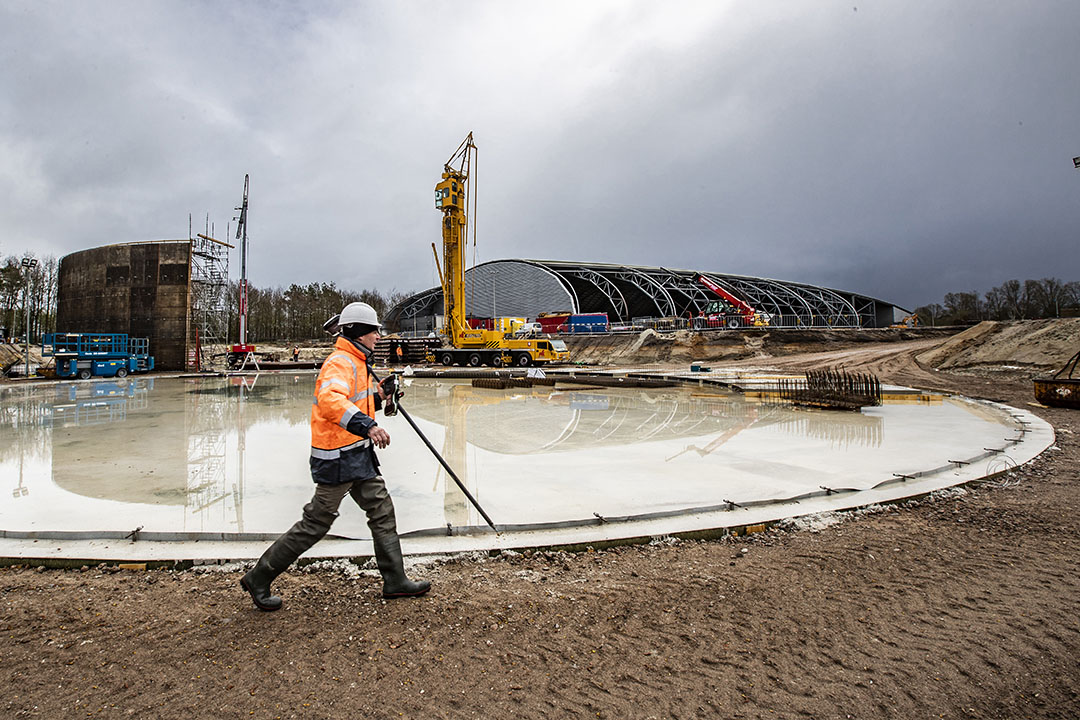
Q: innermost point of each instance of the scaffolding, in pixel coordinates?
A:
(209, 300)
(211, 498)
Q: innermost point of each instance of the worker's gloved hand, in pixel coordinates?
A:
(379, 437)
(383, 390)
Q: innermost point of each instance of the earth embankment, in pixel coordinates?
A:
(1028, 346)
(1037, 345)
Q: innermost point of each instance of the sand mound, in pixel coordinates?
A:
(1024, 344)
(682, 346)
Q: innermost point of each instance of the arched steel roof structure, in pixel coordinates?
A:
(526, 288)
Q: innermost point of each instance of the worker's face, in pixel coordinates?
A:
(369, 340)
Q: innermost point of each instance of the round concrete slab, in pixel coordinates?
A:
(214, 468)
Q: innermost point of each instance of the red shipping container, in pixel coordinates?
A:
(552, 323)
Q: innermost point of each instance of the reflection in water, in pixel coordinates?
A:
(96, 403)
(181, 443)
(541, 420)
(230, 454)
(535, 420)
(841, 429)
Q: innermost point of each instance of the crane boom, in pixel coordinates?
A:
(452, 198)
(748, 314)
(240, 353)
(741, 306)
(241, 234)
(468, 345)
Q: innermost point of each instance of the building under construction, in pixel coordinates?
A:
(637, 296)
(173, 292)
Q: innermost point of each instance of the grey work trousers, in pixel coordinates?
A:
(319, 515)
(370, 495)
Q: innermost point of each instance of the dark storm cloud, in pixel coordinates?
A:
(903, 154)
(901, 150)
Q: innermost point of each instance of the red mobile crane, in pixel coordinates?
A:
(240, 353)
(729, 311)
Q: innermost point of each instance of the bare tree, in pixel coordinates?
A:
(1071, 295)
(1047, 296)
(1014, 299)
(963, 308)
(11, 287)
(997, 304)
(50, 275)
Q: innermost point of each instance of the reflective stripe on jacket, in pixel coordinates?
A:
(343, 389)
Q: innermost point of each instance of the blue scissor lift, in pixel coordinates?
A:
(87, 355)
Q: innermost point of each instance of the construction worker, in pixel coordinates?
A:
(344, 435)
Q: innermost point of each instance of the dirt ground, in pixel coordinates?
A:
(960, 606)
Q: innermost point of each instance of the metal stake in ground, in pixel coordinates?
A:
(449, 470)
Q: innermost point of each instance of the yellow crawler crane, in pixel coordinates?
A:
(467, 345)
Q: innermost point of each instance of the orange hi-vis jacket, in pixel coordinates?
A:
(343, 413)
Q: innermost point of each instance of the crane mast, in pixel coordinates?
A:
(240, 353)
(467, 345)
(452, 198)
(241, 234)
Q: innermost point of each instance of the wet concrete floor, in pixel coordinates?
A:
(187, 456)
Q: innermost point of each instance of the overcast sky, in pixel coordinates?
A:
(899, 149)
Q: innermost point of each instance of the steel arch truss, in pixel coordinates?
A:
(606, 288)
(651, 288)
(627, 292)
(418, 305)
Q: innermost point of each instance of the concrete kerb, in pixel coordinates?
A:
(365, 562)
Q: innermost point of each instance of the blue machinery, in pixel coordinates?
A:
(87, 355)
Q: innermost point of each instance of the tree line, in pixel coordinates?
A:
(35, 287)
(274, 313)
(299, 311)
(1012, 300)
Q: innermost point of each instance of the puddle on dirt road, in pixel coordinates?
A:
(230, 455)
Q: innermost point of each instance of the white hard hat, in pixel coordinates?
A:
(357, 312)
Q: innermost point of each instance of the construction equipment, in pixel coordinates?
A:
(1062, 389)
(466, 345)
(729, 311)
(908, 321)
(86, 355)
(240, 353)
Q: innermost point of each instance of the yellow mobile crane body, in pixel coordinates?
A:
(468, 345)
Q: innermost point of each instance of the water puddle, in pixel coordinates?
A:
(229, 455)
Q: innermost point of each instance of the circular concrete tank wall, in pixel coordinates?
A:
(140, 289)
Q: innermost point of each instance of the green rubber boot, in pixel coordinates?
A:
(392, 568)
(309, 530)
(257, 583)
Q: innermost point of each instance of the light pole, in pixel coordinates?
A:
(29, 263)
